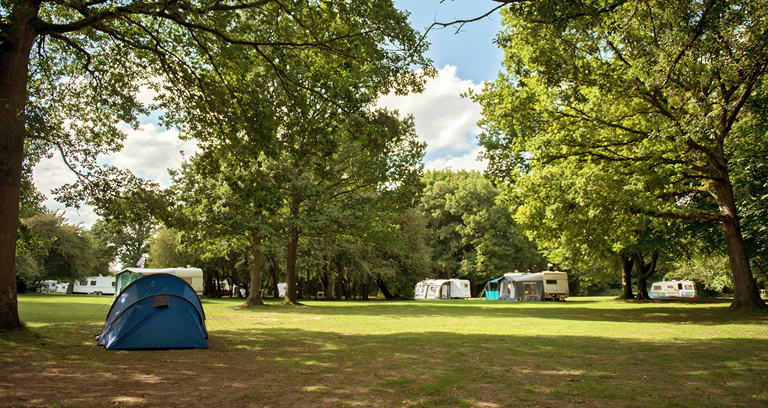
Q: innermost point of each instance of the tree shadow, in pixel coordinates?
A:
(281, 367)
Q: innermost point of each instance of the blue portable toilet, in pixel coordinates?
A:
(158, 311)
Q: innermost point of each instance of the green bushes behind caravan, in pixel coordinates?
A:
(193, 276)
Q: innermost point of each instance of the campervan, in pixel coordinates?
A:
(443, 289)
(193, 276)
(97, 285)
(672, 288)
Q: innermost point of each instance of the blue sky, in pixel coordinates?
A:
(471, 50)
(444, 120)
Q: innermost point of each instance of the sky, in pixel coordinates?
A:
(445, 120)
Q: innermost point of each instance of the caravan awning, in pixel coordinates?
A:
(496, 280)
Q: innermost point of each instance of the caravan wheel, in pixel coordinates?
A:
(97, 293)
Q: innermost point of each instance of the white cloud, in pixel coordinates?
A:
(147, 152)
(445, 120)
(53, 173)
(467, 161)
(150, 152)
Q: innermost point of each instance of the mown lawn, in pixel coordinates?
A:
(461, 353)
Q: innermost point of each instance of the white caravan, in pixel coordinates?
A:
(96, 285)
(193, 276)
(550, 285)
(672, 288)
(46, 286)
(443, 289)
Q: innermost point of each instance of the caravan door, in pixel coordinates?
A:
(445, 290)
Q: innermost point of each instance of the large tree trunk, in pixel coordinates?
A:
(745, 293)
(254, 298)
(644, 272)
(275, 271)
(329, 287)
(290, 270)
(14, 72)
(626, 276)
(384, 290)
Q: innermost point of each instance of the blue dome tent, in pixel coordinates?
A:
(158, 311)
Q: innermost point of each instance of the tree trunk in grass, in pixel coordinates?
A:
(254, 298)
(383, 287)
(626, 276)
(644, 272)
(17, 42)
(290, 270)
(745, 293)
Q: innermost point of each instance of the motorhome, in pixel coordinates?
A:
(443, 289)
(95, 285)
(193, 276)
(672, 288)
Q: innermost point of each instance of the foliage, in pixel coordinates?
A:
(750, 179)
(62, 252)
(711, 272)
(470, 235)
(649, 92)
(126, 241)
(73, 95)
(165, 251)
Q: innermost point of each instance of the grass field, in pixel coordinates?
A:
(462, 353)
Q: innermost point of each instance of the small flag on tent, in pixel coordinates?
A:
(140, 264)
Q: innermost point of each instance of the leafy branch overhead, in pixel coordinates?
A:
(652, 91)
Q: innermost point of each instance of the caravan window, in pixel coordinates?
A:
(656, 287)
(679, 286)
(113, 284)
(83, 282)
(551, 282)
(688, 287)
(93, 283)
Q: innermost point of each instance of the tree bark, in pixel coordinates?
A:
(329, 286)
(208, 287)
(384, 290)
(274, 270)
(14, 73)
(290, 270)
(643, 272)
(745, 293)
(254, 298)
(626, 276)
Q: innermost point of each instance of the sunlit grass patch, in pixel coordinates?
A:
(596, 351)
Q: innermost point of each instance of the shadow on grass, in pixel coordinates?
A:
(581, 310)
(290, 368)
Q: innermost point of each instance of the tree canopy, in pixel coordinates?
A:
(652, 89)
(102, 52)
(470, 235)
